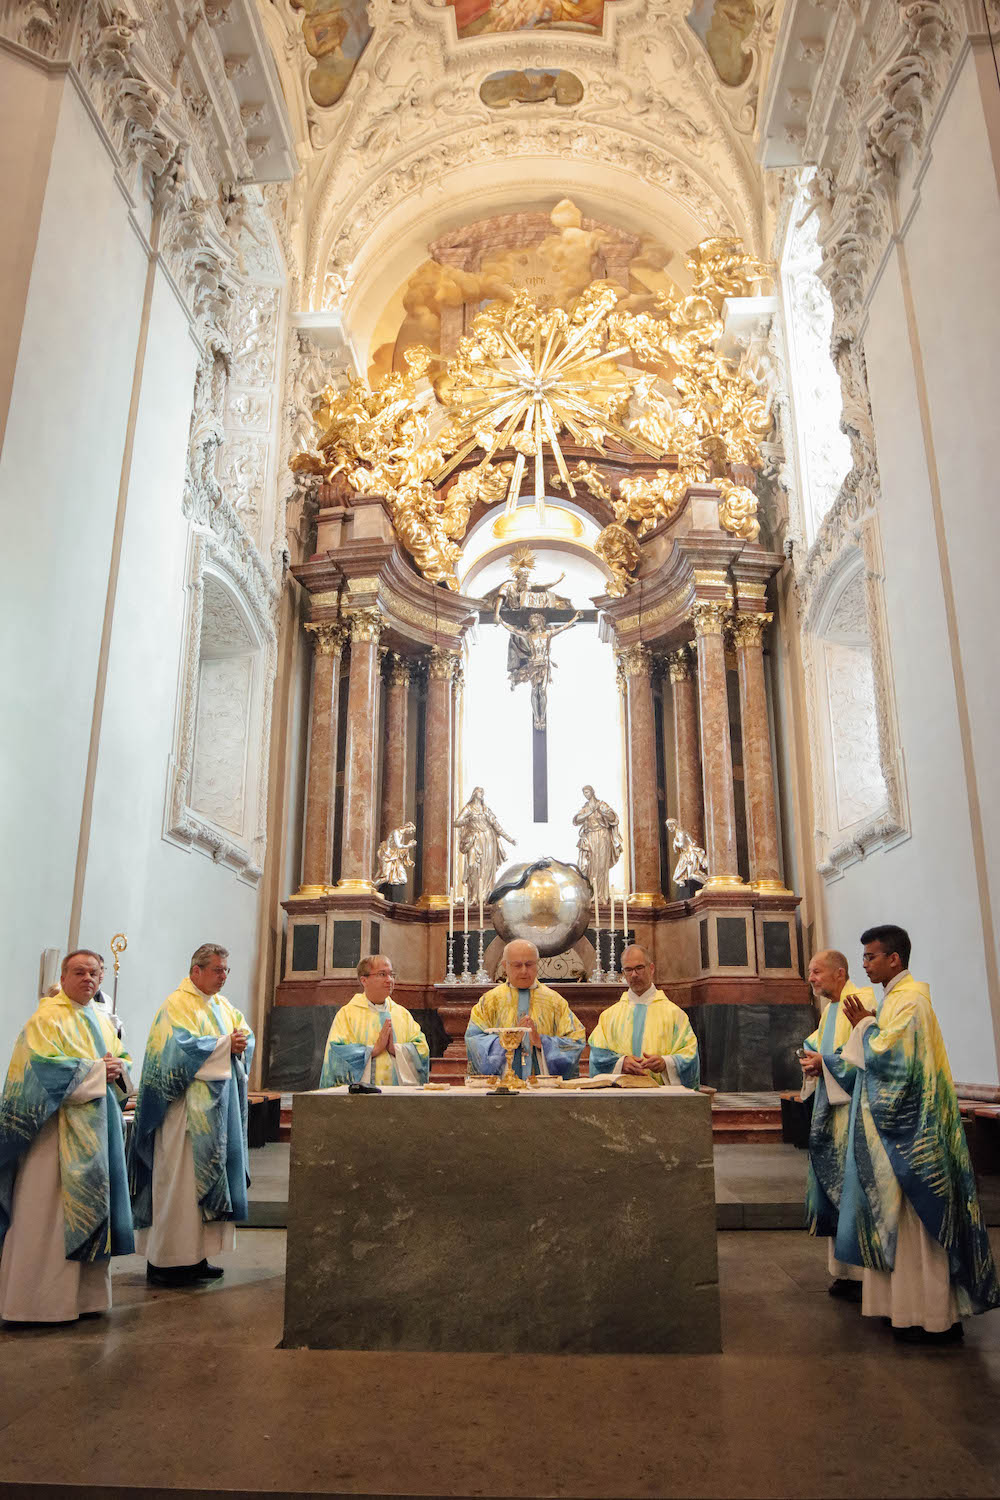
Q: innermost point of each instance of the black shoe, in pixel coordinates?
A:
(849, 1291)
(916, 1335)
(205, 1272)
(172, 1276)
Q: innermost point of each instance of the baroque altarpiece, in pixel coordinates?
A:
(639, 419)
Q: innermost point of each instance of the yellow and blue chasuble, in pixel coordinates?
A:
(355, 1031)
(658, 1027)
(561, 1033)
(51, 1059)
(906, 1138)
(829, 1128)
(186, 1031)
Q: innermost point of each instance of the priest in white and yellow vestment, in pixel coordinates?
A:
(909, 1211)
(64, 1204)
(554, 1038)
(644, 1032)
(373, 1040)
(831, 1079)
(188, 1152)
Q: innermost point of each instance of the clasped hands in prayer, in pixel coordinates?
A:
(649, 1062)
(385, 1042)
(113, 1067)
(854, 1010)
(238, 1043)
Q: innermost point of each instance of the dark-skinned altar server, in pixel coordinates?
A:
(188, 1153)
(831, 1079)
(555, 1037)
(909, 1212)
(644, 1032)
(373, 1040)
(64, 1204)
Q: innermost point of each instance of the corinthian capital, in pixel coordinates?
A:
(442, 664)
(636, 661)
(748, 630)
(328, 637)
(366, 625)
(400, 671)
(709, 616)
(681, 665)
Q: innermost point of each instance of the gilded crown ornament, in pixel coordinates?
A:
(525, 382)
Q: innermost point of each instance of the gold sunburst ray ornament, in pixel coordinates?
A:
(525, 378)
(569, 383)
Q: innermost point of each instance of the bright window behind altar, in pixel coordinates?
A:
(583, 725)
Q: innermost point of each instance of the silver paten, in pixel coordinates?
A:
(546, 903)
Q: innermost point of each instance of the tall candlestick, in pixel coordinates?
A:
(611, 930)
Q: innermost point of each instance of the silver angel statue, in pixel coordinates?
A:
(693, 862)
(600, 842)
(481, 842)
(394, 856)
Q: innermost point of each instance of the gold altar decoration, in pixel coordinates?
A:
(524, 381)
(619, 549)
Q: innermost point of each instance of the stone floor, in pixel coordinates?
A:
(187, 1391)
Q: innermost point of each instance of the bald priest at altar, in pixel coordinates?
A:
(554, 1039)
(645, 1033)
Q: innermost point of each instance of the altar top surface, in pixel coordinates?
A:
(666, 1090)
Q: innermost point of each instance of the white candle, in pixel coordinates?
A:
(611, 929)
(597, 920)
(625, 916)
(481, 911)
(451, 911)
(466, 908)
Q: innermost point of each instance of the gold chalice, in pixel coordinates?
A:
(510, 1039)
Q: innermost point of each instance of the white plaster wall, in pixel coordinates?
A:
(59, 481)
(167, 899)
(59, 473)
(928, 883)
(953, 252)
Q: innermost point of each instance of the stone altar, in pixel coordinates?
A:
(462, 1222)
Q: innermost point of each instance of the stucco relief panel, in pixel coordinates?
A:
(218, 789)
(859, 786)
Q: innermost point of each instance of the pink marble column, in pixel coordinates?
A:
(317, 843)
(758, 773)
(360, 804)
(437, 778)
(397, 706)
(716, 749)
(640, 738)
(687, 756)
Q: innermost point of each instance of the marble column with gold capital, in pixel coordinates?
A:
(361, 757)
(640, 744)
(438, 756)
(709, 618)
(397, 715)
(747, 632)
(317, 845)
(687, 756)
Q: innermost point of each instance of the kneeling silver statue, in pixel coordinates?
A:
(546, 903)
(693, 862)
(394, 856)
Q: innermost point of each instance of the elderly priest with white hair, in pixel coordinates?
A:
(64, 1204)
(644, 1032)
(373, 1040)
(188, 1153)
(554, 1038)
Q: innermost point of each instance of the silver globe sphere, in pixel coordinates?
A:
(546, 903)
